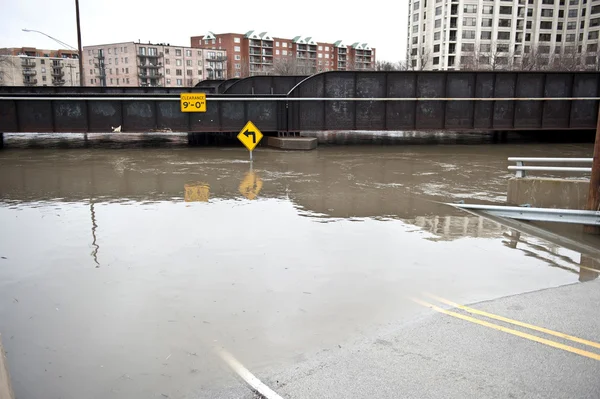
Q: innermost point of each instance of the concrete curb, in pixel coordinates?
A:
(6, 391)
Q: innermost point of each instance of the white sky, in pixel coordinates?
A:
(381, 23)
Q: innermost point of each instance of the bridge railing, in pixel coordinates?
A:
(520, 168)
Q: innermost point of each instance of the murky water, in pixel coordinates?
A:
(121, 264)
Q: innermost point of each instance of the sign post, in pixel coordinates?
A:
(250, 136)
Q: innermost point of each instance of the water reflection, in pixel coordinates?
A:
(197, 244)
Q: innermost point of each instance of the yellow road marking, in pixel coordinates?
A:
(530, 337)
(589, 268)
(515, 322)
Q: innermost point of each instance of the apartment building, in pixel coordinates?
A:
(132, 64)
(28, 66)
(260, 53)
(502, 34)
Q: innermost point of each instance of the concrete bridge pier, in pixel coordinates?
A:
(1, 140)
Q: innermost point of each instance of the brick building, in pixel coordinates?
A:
(133, 64)
(29, 66)
(259, 53)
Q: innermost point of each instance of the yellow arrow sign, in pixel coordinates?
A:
(250, 136)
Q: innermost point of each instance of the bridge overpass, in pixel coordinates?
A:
(329, 101)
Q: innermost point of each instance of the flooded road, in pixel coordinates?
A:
(122, 264)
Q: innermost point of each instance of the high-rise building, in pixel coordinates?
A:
(133, 64)
(503, 34)
(28, 66)
(259, 53)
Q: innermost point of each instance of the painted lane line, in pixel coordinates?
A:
(530, 337)
(254, 383)
(515, 322)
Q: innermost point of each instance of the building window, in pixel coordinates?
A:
(236, 49)
(320, 55)
(277, 52)
(470, 9)
(436, 36)
(178, 62)
(486, 35)
(468, 34)
(502, 48)
(238, 57)
(44, 78)
(168, 81)
(188, 63)
(546, 25)
(166, 50)
(284, 44)
(179, 82)
(327, 55)
(127, 78)
(438, 11)
(503, 35)
(238, 66)
(236, 40)
(416, 5)
(327, 48)
(91, 71)
(178, 72)
(126, 60)
(504, 23)
(284, 52)
(593, 35)
(167, 61)
(485, 48)
(188, 53)
(126, 70)
(320, 48)
(468, 21)
(573, 13)
(189, 72)
(415, 28)
(488, 10)
(178, 52)
(436, 48)
(237, 75)
(91, 81)
(545, 37)
(467, 47)
(111, 79)
(571, 25)
(167, 71)
(547, 12)
(437, 23)
(486, 22)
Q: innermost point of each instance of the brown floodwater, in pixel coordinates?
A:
(123, 263)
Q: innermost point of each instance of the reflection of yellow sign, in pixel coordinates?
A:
(251, 185)
(250, 136)
(197, 192)
(192, 102)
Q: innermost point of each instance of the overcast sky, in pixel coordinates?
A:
(111, 21)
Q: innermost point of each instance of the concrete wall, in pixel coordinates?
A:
(548, 192)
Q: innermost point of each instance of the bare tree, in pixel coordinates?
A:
(7, 69)
(292, 66)
(391, 66)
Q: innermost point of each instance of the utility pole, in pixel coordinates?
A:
(593, 202)
(81, 78)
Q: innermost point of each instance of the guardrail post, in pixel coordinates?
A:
(520, 173)
(593, 202)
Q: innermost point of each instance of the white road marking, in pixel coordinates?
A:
(246, 375)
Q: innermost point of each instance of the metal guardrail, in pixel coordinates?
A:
(521, 168)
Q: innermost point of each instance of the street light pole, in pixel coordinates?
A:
(81, 78)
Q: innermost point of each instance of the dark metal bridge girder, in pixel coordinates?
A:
(306, 108)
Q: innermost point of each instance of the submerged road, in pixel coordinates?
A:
(334, 273)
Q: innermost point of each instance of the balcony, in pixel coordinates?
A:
(150, 76)
(151, 65)
(268, 53)
(342, 51)
(255, 43)
(312, 49)
(267, 45)
(224, 58)
(254, 52)
(57, 73)
(157, 55)
(29, 72)
(26, 63)
(255, 60)
(29, 82)
(57, 64)
(58, 82)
